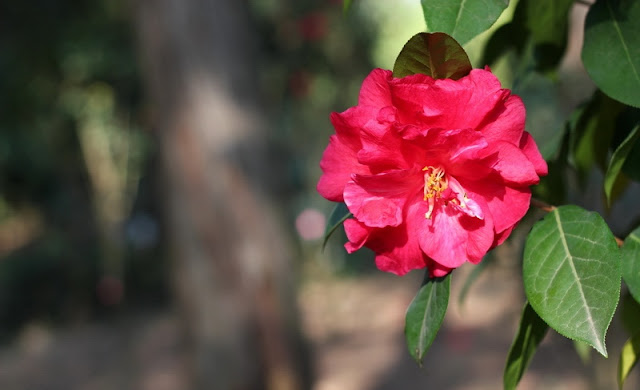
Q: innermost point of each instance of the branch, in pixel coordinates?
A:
(542, 205)
(549, 208)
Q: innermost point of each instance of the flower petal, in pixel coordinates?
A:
(451, 149)
(382, 147)
(338, 163)
(506, 204)
(378, 200)
(451, 238)
(445, 103)
(502, 236)
(375, 90)
(339, 160)
(530, 149)
(511, 164)
(398, 249)
(357, 234)
(505, 122)
(436, 270)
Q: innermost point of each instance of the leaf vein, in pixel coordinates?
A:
(458, 16)
(624, 43)
(592, 326)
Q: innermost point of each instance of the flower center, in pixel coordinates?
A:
(435, 182)
(440, 187)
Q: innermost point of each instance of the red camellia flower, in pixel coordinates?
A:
(435, 172)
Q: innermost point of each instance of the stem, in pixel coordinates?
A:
(584, 2)
(542, 205)
(549, 208)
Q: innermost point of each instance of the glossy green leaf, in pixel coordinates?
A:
(462, 19)
(571, 274)
(611, 50)
(339, 214)
(425, 314)
(434, 54)
(618, 159)
(631, 263)
(628, 358)
(530, 333)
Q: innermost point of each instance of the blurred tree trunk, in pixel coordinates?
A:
(233, 275)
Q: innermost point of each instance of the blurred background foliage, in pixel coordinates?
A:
(80, 200)
(77, 211)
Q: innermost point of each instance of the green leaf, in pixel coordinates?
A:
(339, 214)
(436, 55)
(628, 358)
(425, 314)
(631, 263)
(572, 274)
(618, 159)
(611, 50)
(530, 333)
(462, 19)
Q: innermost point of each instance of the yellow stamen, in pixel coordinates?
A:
(434, 183)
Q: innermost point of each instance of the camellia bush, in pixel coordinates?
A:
(433, 168)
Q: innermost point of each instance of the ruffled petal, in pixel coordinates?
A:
(375, 90)
(338, 163)
(502, 236)
(357, 234)
(340, 159)
(530, 149)
(452, 149)
(446, 103)
(511, 164)
(506, 204)
(379, 200)
(505, 122)
(451, 238)
(398, 249)
(382, 147)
